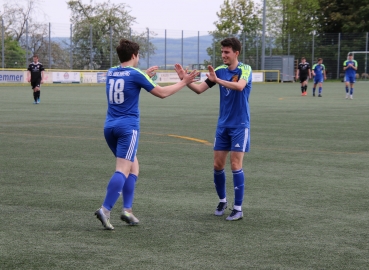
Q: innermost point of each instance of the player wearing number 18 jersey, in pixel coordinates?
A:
(122, 126)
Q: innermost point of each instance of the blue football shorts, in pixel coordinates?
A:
(232, 139)
(122, 141)
(350, 79)
(318, 80)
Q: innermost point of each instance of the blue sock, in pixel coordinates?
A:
(351, 91)
(239, 186)
(114, 189)
(220, 183)
(129, 191)
(313, 90)
(347, 89)
(320, 90)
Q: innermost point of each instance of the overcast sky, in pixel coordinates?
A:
(194, 15)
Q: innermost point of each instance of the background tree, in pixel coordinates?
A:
(14, 54)
(238, 18)
(99, 19)
(16, 16)
(344, 16)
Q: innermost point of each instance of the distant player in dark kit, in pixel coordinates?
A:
(35, 75)
(304, 73)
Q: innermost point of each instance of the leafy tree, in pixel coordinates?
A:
(344, 16)
(237, 18)
(95, 23)
(14, 54)
(16, 17)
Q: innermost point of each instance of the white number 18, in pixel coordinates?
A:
(116, 94)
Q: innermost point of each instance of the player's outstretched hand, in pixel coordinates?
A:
(211, 76)
(180, 71)
(151, 71)
(42, 81)
(191, 77)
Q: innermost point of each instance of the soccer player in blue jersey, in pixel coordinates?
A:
(233, 129)
(319, 74)
(350, 67)
(122, 126)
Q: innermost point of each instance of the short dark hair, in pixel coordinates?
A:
(126, 48)
(303, 58)
(232, 42)
(350, 54)
(35, 55)
(320, 59)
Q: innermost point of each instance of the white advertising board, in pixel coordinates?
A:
(88, 77)
(66, 77)
(167, 78)
(257, 77)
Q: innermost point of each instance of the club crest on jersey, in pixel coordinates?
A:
(235, 78)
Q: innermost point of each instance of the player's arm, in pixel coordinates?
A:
(355, 65)
(297, 73)
(166, 91)
(237, 86)
(28, 76)
(325, 76)
(42, 76)
(197, 88)
(309, 72)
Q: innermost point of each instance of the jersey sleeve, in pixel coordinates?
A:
(345, 63)
(42, 67)
(323, 67)
(355, 62)
(29, 67)
(145, 81)
(245, 72)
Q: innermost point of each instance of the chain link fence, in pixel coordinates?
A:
(60, 46)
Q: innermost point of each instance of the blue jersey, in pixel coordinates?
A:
(350, 72)
(234, 109)
(318, 70)
(123, 86)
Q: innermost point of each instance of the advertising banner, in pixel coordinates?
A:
(101, 77)
(167, 78)
(88, 77)
(66, 77)
(258, 77)
(13, 77)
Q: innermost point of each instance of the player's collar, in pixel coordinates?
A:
(35, 63)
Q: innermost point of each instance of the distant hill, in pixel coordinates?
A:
(174, 51)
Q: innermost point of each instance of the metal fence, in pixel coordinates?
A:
(58, 48)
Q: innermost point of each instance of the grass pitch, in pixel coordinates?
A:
(306, 202)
